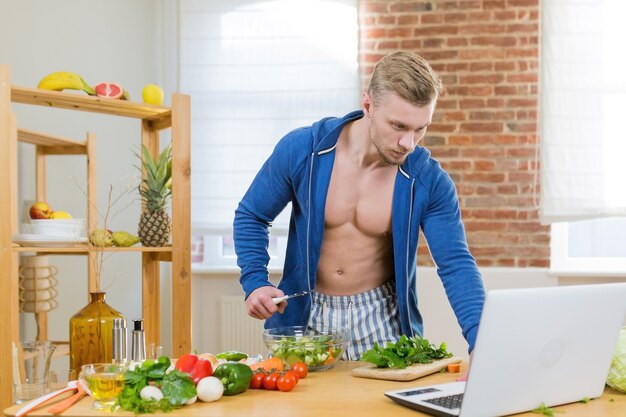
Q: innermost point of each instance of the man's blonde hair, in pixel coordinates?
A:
(408, 75)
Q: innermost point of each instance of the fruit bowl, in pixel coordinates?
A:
(319, 350)
(72, 228)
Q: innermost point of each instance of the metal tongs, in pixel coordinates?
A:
(278, 300)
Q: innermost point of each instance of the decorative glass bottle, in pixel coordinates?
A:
(91, 333)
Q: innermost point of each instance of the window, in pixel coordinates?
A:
(583, 142)
(589, 247)
(256, 70)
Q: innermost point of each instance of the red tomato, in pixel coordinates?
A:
(286, 382)
(269, 382)
(300, 369)
(292, 373)
(257, 380)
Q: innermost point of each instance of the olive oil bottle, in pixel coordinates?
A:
(91, 333)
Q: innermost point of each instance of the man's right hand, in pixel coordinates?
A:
(260, 305)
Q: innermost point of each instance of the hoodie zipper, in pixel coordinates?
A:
(406, 262)
(308, 227)
(308, 222)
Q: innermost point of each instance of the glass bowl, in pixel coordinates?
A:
(103, 382)
(319, 350)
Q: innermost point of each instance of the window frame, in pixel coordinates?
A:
(214, 260)
(563, 265)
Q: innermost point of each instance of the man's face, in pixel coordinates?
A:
(396, 125)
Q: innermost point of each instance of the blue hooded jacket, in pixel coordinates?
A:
(299, 171)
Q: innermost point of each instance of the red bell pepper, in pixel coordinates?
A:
(201, 369)
(196, 367)
(186, 362)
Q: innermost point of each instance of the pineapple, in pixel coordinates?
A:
(155, 225)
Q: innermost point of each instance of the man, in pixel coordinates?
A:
(360, 189)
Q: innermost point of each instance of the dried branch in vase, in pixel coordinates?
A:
(101, 236)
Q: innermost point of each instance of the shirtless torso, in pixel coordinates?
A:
(357, 249)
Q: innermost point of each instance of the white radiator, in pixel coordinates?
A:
(238, 330)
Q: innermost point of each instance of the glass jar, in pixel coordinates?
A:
(91, 332)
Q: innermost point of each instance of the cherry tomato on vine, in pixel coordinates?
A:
(269, 382)
(257, 380)
(301, 369)
(295, 375)
(286, 382)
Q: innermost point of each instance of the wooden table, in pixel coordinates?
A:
(335, 393)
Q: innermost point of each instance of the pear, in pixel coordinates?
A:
(101, 238)
(124, 239)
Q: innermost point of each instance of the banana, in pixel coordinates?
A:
(64, 80)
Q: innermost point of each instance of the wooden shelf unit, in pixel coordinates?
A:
(159, 117)
(52, 145)
(152, 119)
(86, 249)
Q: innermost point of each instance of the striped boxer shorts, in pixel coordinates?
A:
(371, 317)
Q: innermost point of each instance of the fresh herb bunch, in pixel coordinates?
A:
(405, 352)
(177, 387)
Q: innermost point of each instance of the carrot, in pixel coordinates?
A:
(275, 364)
(331, 357)
(454, 368)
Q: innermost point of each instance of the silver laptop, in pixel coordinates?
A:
(550, 345)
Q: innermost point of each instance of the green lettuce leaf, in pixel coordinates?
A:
(617, 373)
(405, 352)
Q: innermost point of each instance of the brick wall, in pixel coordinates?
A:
(484, 129)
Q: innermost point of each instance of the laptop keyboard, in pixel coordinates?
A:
(449, 401)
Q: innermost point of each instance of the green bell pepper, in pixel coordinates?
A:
(232, 355)
(235, 377)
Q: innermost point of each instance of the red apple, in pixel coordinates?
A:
(40, 210)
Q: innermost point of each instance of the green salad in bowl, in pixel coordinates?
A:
(319, 350)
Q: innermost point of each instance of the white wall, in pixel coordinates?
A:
(104, 41)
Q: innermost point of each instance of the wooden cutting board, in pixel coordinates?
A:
(410, 373)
